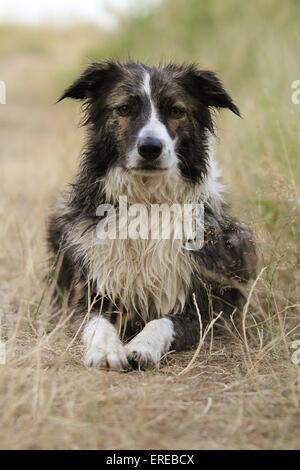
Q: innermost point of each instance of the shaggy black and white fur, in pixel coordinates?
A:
(149, 137)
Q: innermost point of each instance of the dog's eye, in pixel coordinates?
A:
(176, 112)
(124, 110)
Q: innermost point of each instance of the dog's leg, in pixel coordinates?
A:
(229, 247)
(174, 332)
(231, 256)
(103, 345)
(151, 343)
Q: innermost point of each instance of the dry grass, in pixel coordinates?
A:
(242, 390)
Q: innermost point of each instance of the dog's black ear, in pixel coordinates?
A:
(210, 90)
(91, 80)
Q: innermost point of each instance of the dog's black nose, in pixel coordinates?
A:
(150, 148)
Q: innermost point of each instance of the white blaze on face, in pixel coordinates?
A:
(155, 128)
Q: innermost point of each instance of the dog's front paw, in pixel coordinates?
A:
(103, 346)
(114, 358)
(141, 356)
(148, 347)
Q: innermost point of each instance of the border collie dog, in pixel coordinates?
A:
(150, 138)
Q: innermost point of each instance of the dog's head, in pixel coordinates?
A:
(150, 119)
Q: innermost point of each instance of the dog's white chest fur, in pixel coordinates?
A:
(148, 277)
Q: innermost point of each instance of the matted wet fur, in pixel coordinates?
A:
(150, 138)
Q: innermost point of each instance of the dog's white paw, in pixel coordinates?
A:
(103, 346)
(150, 344)
(141, 356)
